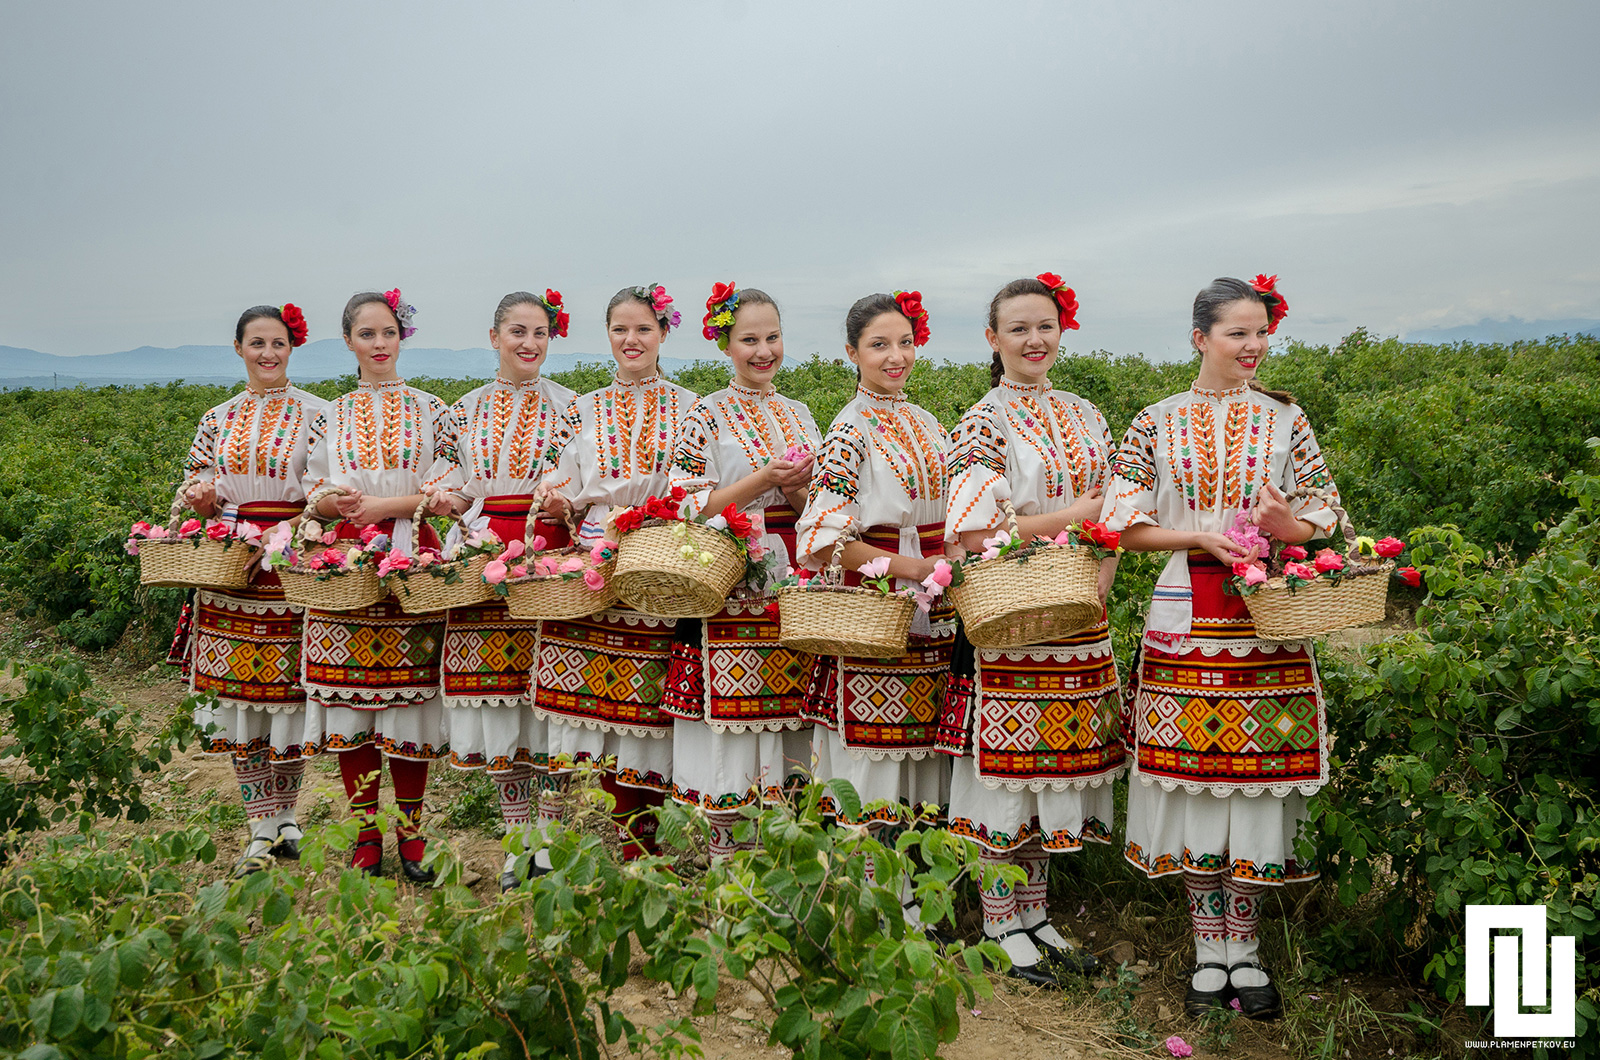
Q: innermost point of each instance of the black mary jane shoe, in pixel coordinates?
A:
(286, 849)
(1197, 1002)
(1032, 974)
(374, 869)
(1256, 1002)
(509, 881)
(1072, 959)
(413, 871)
(250, 864)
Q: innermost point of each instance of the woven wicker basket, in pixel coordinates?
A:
(341, 590)
(836, 619)
(654, 577)
(1012, 603)
(554, 597)
(1360, 597)
(196, 562)
(427, 590)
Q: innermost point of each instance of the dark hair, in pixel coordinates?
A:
(749, 296)
(1014, 289)
(353, 306)
(516, 298)
(259, 312)
(864, 312)
(1217, 296)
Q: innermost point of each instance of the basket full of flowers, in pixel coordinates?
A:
(673, 567)
(1293, 594)
(1019, 592)
(553, 584)
(320, 570)
(818, 613)
(188, 553)
(431, 579)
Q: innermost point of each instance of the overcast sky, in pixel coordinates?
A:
(1401, 166)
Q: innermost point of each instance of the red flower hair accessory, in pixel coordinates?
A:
(660, 302)
(295, 321)
(1066, 300)
(558, 316)
(910, 303)
(1277, 304)
(717, 324)
(402, 312)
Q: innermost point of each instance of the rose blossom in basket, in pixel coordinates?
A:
(875, 568)
(1389, 547)
(1293, 552)
(495, 571)
(189, 528)
(1301, 571)
(1329, 560)
(217, 531)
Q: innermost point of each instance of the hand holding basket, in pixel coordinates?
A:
(1284, 612)
(1042, 593)
(827, 617)
(195, 561)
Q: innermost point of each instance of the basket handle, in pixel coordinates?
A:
(417, 522)
(175, 516)
(1011, 519)
(318, 495)
(833, 573)
(530, 528)
(1327, 496)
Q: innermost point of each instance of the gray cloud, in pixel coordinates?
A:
(1401, 166)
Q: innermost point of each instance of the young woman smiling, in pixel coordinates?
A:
(243, 645)
(598, 680)
(880, 485)
(503, 432)
(735, 691)
(1039, 723)
(1230, 732)
(372, 676)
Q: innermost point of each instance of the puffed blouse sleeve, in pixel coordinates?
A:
(694, 458)
(1130, 496)
(446, 472)
(831, 505)
(561, 454)
(1307, 469)
(318, 471)
(201, 463)
(977, 466)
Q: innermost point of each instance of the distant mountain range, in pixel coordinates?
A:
(1509, 330)
(323, 359)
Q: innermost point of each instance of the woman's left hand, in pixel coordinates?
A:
(440, 502)
(1272, 515)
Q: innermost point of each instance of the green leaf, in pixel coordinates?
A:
(277, 908)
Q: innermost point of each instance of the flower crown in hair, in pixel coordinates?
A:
(718, 320)
(295, 321)
(910, 303)
(1066, 300)
(402, 312)
(558, 316)
(1277, 304)
(660, 301)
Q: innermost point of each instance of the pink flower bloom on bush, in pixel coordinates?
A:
(1389, 547)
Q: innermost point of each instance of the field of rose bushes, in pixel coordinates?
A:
(1465, 746)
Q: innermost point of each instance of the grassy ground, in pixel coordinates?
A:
(1139, 928)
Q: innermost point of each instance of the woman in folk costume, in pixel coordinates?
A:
(1040, 724)
(245, 466)
(737, 694)
(598, 680)
(503, 432)
(372, 675)
(879, 484)
(1230, 732)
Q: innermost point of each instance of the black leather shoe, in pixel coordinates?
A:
(1196, 1002)
(250, 865)
(1073, 959)
(376, 868)
(413, 871)
(1256, 1002)
(1033, 974)
(286, 849)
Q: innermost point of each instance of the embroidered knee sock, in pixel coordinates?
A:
(722, 842)
(255, 787)
(286, 778)
(1206, 915)
(361, 769)
(410, 779)
(1001, 913)
(552, 802)
(1243, 898)
(515, 789)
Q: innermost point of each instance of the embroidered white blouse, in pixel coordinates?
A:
(1194, 461)
(386, 440)
(882, 463)
(254, 446)
(735, 432)
(1036, 447)
(613, 447)
(503, 432)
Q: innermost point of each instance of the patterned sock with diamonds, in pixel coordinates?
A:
(552, 803)
(255, 787)
(287, 776)
(1243, 898)
(1206, 907)
(722, 842)
(410, 779)
(1002, 914)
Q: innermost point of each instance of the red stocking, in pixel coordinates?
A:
(354, 767)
